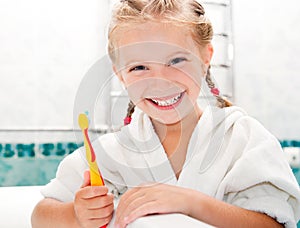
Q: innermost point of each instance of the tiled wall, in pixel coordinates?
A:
(31, 164)
(292, 150)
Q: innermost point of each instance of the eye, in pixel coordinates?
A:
(138, 68)
(177, 60)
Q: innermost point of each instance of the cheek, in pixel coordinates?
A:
(196, 74)
(136, 89)
(190, 77)
(192, 71)
(192, 80)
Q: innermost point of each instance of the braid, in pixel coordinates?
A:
(221, 101)
(130, 110)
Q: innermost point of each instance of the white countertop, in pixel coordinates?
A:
(17, 203)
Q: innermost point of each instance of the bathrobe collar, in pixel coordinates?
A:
(143, 135)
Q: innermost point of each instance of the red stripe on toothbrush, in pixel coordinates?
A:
(89, 143)
(93, 158)
(92, 152)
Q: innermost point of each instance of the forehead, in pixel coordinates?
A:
(153, 41)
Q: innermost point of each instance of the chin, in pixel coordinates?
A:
(167, 121)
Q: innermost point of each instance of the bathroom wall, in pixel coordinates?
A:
(51, 51)
(267, 65)
(46, 48)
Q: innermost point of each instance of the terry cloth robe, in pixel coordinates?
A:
(230, 156)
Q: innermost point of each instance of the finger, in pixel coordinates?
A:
(101, 222)
(92, 192)
(125, 199)
(133, 205)
(98, 222)
(100, 213)
(86, 179)
(131, 202)
(101, 201)
(145, 209)
(129, 194)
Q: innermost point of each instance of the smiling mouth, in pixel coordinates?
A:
(166, 102)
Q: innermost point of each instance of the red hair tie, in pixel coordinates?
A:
(215, 91)
(127, 120)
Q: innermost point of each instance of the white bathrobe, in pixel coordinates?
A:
(231, 157)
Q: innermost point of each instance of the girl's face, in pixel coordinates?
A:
(162, 68)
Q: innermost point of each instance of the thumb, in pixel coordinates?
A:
(86, 179)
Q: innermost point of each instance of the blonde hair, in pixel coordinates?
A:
(187, 13)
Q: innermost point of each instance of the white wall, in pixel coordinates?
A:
(47, 48)
(267, 65)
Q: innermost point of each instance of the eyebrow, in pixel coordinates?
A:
(133, 61)
(179, 52)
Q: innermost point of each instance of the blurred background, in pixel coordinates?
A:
(49, 48)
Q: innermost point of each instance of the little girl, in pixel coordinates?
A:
(217, 165)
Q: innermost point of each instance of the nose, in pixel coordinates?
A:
(160, 70)
(161, 77)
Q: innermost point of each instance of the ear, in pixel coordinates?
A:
(207, 54)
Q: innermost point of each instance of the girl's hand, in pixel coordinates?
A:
(151, 199)
(92, 205)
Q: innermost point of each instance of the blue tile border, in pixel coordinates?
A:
(20, 150)
(32, 164)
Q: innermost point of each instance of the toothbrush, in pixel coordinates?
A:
(95, 175)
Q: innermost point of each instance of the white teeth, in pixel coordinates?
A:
(167, 102)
